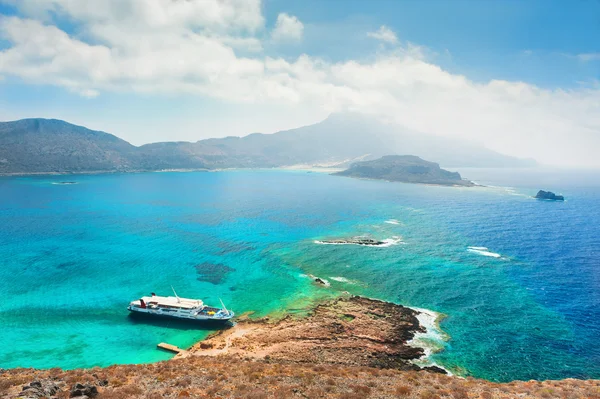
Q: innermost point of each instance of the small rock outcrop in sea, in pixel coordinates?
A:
(355, 241)
(39, 389)
(82, 391)
(549, 195)
(319, 280)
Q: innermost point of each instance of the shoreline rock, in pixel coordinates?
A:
(549, 195)
(318, 280)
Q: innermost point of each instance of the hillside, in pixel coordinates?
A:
(406, 169)
(234, 377)
(54, 146)
(42, 145)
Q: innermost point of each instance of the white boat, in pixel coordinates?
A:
(179, 308)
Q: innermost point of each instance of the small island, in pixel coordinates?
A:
(405, 169)
(353, 241)
(549, 195)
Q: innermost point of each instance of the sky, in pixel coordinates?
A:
(520, 77)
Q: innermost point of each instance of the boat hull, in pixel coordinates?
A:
(148, 313)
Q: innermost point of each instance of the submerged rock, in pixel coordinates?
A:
(214, 273)
(319, 280)
(549, 195)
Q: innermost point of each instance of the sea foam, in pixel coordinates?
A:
(342, 280)
(432, 340)
(392, 221)
(483, 251)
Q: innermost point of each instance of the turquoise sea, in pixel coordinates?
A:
(522, 303)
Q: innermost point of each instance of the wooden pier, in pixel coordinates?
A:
(170, 348)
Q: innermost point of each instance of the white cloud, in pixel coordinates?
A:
(162, 50)
(211, 14)
(585, 57)
(287, 28)
(89, 93)
(384, 34)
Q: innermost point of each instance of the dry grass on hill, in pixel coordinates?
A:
(232, 377)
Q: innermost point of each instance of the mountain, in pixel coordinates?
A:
(42, 145)
(379, 139)
(406, 169)
(48, 146)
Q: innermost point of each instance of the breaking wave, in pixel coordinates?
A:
(342, 280)
(483, 251)
(432, 340)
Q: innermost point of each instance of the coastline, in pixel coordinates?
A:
(298, 168)
(347, 362)
(306, 168)
(473, 184)
(100, 172)
(409, 223)
(350, 330)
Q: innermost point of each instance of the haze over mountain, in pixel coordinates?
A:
(48, 145)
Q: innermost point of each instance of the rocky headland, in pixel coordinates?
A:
(348, 348)
(353, 331)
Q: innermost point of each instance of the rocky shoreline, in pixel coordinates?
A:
(350, 331)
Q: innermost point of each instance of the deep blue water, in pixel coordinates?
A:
(73, 256)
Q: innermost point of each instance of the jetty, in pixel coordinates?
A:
(170, 348)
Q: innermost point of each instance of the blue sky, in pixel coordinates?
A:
(301, 60)
(503, 39)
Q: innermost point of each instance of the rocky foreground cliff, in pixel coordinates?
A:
(351, 348)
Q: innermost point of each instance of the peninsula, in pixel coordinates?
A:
(353, 331)
(405, 169)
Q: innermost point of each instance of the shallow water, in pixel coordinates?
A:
(72, 256)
